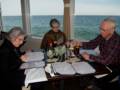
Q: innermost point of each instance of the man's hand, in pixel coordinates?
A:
(86, 56)
(73, 43)
(76, 43)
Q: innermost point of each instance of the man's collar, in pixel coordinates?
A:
(112, 36)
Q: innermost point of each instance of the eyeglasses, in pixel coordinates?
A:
(104, 30)
(56, 27)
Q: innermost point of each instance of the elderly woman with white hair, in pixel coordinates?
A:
(10, 60)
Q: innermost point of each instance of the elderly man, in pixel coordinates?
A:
(108, 42)
(109, 46)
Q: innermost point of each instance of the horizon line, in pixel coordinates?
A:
(73, 15)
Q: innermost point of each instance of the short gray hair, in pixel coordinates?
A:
(15, 32)
(110, 20)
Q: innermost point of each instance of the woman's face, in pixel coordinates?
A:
(55, 27)
(18, 40)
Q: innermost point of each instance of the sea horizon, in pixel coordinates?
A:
(84, 26)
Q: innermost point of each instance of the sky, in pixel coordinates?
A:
(55, 7)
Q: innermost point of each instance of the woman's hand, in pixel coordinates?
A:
(24, 58)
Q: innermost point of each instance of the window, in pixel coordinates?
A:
(11, 14)
(88, 15)
(42, 11)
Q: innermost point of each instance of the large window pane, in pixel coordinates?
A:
(88, 15)
(11, 14)
(42, 11)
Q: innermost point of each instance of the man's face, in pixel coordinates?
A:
(106, 29)
(55, 27)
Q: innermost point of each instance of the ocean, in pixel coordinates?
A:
(84, 27)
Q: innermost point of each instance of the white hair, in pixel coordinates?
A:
(15, 32)
(111, 21)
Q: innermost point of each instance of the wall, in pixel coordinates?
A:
(31, 43)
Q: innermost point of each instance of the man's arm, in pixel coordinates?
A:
(100, 59)
(92, 44)
(108, 58)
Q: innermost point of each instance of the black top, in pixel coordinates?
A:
(9, 65)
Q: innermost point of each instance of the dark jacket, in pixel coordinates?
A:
(10, 62)
(52, 36)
